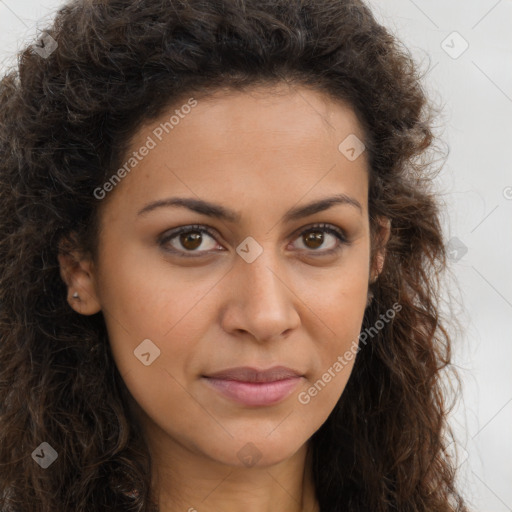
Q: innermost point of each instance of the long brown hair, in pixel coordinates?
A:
(66, 117)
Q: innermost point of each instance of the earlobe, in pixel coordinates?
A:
(77, 271)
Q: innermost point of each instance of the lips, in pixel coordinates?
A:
(247, 374)
(252, 387)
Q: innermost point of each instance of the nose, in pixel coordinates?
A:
(261, 300)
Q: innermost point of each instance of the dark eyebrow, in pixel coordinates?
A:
(220, 212)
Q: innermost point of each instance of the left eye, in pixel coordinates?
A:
(313, 237)
(191, 237)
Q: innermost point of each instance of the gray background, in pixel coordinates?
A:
(474, 87)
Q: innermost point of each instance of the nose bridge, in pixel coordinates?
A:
(260, 275)
(261, 302)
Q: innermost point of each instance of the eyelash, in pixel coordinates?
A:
(327, 228)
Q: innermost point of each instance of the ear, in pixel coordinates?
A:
(77, 271)
(381, 238)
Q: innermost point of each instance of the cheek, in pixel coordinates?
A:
(339, 308)
(142, 310)
(149, 294)
(336, 356)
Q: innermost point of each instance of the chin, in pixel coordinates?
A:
(255, 452)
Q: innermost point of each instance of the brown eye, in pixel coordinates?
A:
(191, 240)
(319, 236)
(314, 239)
(188, 239)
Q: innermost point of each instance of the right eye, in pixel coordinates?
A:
(185, 240)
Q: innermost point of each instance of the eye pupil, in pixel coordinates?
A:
(191, 240)
(316, 237)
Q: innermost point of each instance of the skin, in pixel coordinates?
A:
(259, 152)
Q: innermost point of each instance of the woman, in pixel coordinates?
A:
(220, 264)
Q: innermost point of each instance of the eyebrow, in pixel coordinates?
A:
(220, 212)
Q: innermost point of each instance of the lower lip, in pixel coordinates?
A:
(255, 393)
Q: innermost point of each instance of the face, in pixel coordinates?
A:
(187, 292)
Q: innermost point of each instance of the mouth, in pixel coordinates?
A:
(253, 387)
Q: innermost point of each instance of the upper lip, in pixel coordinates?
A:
(248, 374)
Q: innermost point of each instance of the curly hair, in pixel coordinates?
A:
(66, 120)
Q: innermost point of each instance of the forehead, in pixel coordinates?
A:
(273, 109)
(269, 140)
